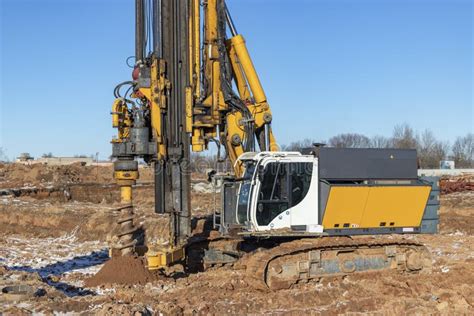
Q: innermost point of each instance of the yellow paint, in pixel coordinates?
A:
(156, 95)
(402, 205)
(273, 143)
(194, 49)
(258, 112)
(162, 259)
(126, 175)
(345, 205)
(216, 90)
(189, 109)
(126, 194)
(197, 141)
(234, 151)
(204, 114)
(238, 42)
(120, 120)
(125, 179)
(368, 207)
(241, 83)
(116, 112)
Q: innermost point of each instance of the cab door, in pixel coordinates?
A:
(280, 190)
(273, 194)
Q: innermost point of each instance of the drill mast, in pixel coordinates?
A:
(189, 57)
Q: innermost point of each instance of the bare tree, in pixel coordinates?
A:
(380, 142)
(463, 151)
(298, 145)
(440, 152)
(201, 163)
(404, 137)
(430, 150)
(48, 155)
(349, 140)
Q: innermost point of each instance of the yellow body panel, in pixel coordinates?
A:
(345, 205)
(375, 206)
(401, 205)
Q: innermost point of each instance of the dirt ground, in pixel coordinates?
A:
(56, 223)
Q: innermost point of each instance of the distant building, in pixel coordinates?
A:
(57, 161)
(446, 164)
(24, 157)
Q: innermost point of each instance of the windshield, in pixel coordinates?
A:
(244, 194)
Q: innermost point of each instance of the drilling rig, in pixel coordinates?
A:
(193, 84)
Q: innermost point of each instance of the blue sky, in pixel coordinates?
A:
(328, 67)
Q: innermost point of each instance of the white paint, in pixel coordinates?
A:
(315, 229)
(305, 212)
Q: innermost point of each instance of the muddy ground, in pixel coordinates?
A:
(56, 223)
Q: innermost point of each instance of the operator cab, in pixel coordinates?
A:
(276, 191)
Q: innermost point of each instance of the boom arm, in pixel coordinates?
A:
(238, 119)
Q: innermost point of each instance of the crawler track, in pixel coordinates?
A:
(305, 259)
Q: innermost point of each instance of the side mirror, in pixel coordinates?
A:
(260, 172)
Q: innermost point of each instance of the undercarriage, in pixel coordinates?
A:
(280, 263)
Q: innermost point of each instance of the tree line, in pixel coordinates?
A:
(430, 150)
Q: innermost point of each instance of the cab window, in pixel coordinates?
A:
(244, 194)
(283, 185)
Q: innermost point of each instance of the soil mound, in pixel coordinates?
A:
(122, 270)
(17, 175)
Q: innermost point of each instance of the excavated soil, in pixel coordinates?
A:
(19, 175)
(122, 270)
(58, 244)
